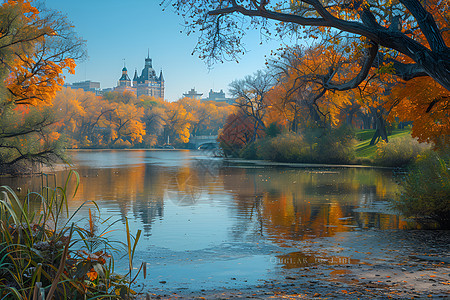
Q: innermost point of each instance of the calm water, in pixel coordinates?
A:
(208, 224)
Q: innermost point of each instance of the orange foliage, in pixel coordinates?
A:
(427, 104)
(122, 120)
(35, 73)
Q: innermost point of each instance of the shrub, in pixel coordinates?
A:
(399, 152)
(273, 130)
(286, 147)
(312, 146)
(249, 151)
(425, 194)
(336, 146)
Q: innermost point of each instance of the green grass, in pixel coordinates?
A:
(366, 151)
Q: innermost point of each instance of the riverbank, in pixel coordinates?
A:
(352, 265)
(267, 163)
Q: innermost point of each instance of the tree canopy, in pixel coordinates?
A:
(411, 35)
(36, 45)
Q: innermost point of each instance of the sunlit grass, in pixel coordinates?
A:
(366, 151)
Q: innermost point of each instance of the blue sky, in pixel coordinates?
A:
(117, 30)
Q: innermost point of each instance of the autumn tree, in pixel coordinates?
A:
(80, 114)
(124, 124)
(123, 120)
(300, 94)
(36, 45)
(154, 118)
(432, 126)
(178, 123)
(207, 116)
(237, 132)
(251, 98)
(407, 39)
(417, 30)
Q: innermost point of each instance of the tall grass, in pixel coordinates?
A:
(44, 255)
(399, 152)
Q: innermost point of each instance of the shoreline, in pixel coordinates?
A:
(266, 163)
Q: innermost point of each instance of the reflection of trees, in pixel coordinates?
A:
(248, 205)
(302, 204)
(150, 203)
(282, 204)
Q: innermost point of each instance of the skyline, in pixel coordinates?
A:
(116, 31)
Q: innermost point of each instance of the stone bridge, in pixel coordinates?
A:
(203, 140)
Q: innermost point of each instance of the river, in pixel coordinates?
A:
(210, 224)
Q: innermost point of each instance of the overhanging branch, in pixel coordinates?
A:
(372, 51)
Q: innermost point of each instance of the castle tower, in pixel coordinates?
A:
(124, 83)
(149, 83)
(135, 78)
(124, 79)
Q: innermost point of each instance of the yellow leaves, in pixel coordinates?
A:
(70, 65)
(119, 120)
(54, 136)
(35, 83)
(92, 275)
(35, 74)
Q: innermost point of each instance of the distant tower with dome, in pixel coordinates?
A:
(124, 83)
(148, 83)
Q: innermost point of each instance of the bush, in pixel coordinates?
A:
(286, 147)
(273, 130)
(336, 146)
(399, 152)
(425, 194)
(249, 151)
(312, 146)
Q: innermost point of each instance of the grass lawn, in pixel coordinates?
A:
(364, 150)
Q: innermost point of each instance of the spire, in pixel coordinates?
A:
(161, 77)
(148, 54)
(135, 78)
(148, 62)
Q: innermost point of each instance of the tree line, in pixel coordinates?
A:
(121, 120)
(392, 57)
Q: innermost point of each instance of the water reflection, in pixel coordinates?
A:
(191, 206)
(300, 204)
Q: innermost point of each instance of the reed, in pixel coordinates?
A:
(44, 255)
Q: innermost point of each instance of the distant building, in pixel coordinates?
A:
(124, 83)
(193, 94)
(219, 97)
(87, 86)
(147, 84)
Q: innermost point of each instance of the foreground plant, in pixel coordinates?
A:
(44, 255)
(425, 195)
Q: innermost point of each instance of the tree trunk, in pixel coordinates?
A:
(380, 129)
